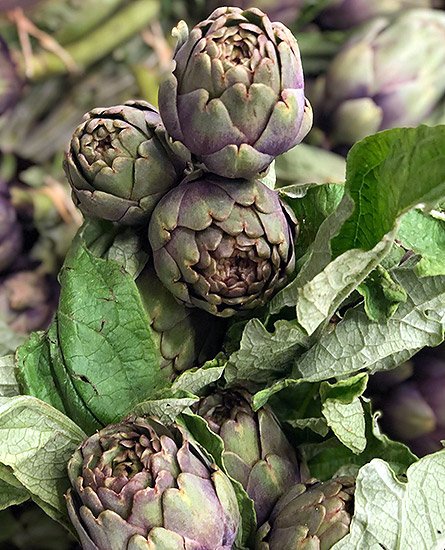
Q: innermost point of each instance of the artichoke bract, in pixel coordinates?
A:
(185, 337)
(342, 14)
(119, 165)
(236, 96)
(10, 230)
(389, 74)
(310, 516)
(256, 451)
(139, 485)
(222, 245)
(285, 11)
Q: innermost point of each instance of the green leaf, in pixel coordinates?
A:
(36, 442)
(263, 355)
(196, 380)
(392, 513)
(331, 457)
(382, 295)
(358, 343)
(9, 339)
(8, 381)
(11, 491)
(167, 406)
(426, 236)
(387, 175)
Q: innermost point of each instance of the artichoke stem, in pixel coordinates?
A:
(98, 43)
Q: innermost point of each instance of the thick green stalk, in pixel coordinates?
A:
(99, 43)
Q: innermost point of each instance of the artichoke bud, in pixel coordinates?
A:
(119, 164)
(140, 484)
(184, 337)
(222, 245)
(28, 301)
(309, 516)
(390, 73)
(235, 99)
(10, 229)
(256, 451)
(413, 411)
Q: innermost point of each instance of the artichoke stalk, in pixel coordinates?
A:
(141, 485)
(119, 165)
(256, 451)
(236, 96)
(10, 229)
(222, 245)
(389, 74)
(310, 516)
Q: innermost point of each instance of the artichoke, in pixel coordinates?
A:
(413, 411)
(10, 230)
(387, 75)
(310, 516)
(256, 451)
(139, 485)
(119, 165)
(285, 11)
(27, 301)
(236, 96)
(185, 337)
(10, 84)
(222, 245)
(343, 14)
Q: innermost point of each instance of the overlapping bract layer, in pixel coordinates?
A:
(140, 486)
(222, 245)
(256, 451)
(311, 516)
(236, 96)
(118, 164)
(389, 74)
(185, 337)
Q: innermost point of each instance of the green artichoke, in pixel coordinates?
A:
(256, 451)
(389, 74)
(185, 337)
(119, 165)
(285, 11)
(222, 245)
(236, 96)
(310, 516)
(140, 485)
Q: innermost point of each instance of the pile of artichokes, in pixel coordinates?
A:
(191, 183)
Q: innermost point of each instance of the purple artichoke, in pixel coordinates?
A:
(138, 484)
(256, 451)
(285, 11)
(119, 165)
(27, 301)
(236, 96)
(389, 74)
(222, 245)
(413, 411)
(10, 229)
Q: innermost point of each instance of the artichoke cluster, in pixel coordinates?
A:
(220, 239)
(141, 484)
